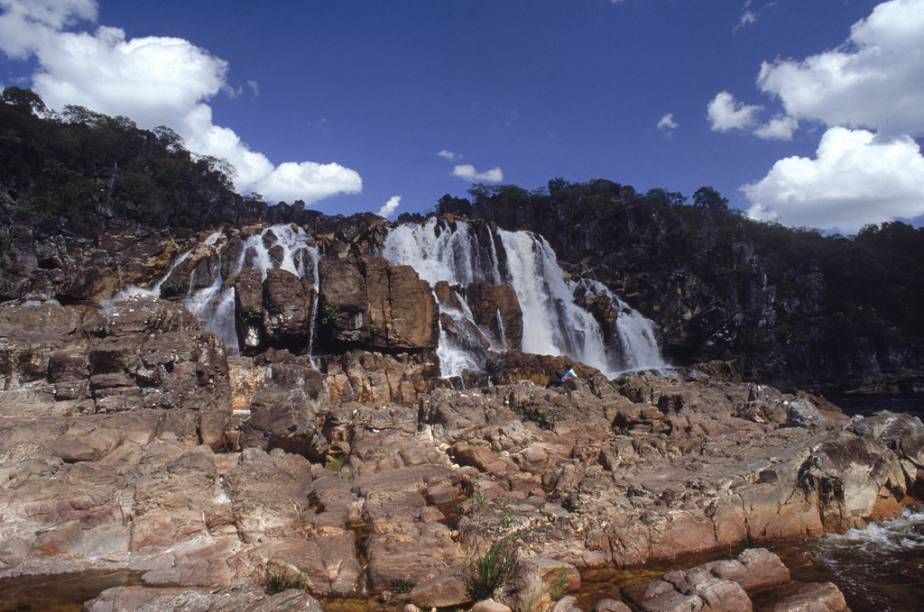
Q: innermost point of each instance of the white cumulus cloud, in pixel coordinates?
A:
(778, 128)
(153, 80)
(468, 172)
(389, 207)
(726, 114)
(875, 80)
(856, 178)
(667, 123)
(446, 154)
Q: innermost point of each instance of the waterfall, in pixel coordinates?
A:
(214, 305)
(633, 344)
(278, 246)
(440, 252)
(553, 324)
(557, 326)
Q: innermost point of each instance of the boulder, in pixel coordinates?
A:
(567, 604)
(366, 302)
(761, 569)
(287, 303)
(440, 592)
(534, 582)
(248, 310)
(288, 410)
(811, 597)
(611, 605)
(402, 311)
(489, 605)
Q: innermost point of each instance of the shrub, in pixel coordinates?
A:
(277, 582)
(490, 571)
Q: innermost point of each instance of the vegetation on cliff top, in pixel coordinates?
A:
(80, 162)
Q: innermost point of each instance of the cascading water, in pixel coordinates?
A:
(439, 251)
(213, 304)
(633, 344)
(553, 323)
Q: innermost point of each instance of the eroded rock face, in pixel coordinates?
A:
(495, 307)
(287, 301)
(367, 302)
(139, 353)
(248, 308)
(288, 412)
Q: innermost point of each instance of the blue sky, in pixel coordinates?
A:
(538, 88)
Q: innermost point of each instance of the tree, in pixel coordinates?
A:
(558, 184)
(24, 99)
(453, 206)
(709, 199)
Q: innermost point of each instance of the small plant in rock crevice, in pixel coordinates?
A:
(489, 571)
(277, 582)
(329, 314)
(558, 585)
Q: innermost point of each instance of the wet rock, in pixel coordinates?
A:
(496, 308)
(811, 597)
(849, 474)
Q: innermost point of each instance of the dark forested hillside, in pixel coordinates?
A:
(85, 166)
(793, 305)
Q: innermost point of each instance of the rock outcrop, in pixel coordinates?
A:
(367, 302)
(495, 307)
(141, 353)
(727, 585)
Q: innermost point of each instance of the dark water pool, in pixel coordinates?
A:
(866, 405)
